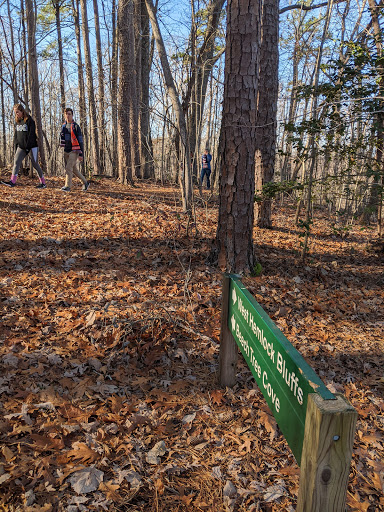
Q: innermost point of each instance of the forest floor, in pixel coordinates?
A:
(110, 324)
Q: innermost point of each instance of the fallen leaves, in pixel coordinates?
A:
(109, 355)
(46, 443)
(73, 413)
(86, 480)
(217, 396)
(154, 455)
(5, 477)
(80, 452)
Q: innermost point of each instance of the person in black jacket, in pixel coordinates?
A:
(25, 142)
(71, 139)
(206, 168)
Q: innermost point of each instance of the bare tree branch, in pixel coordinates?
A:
(304, 7)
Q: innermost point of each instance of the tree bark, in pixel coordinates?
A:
(234, 237)
(126, 90)
(287, 162)
(267, 107)
(3, 158)
(185, 160)
(25, 61)
(138, 90)
(80, 77)
(147, 166)
(114, 72)
(374, 195)
(11, 51)
(91, 91)
(201, 69)
(100, 70)
(312, 138)
(34, 85)
(56, 6)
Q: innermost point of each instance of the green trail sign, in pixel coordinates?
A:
(283, 376)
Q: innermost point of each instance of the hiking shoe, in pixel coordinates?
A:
(41, 185)
(8, 183)
(66, 189)
(86, 186)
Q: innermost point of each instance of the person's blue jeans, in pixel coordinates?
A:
(207, 173)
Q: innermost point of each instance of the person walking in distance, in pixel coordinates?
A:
(25, 142)
(206, 168)
(71, 139)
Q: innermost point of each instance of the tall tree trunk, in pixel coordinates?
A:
(135, 95)
(147, 166)
(200, 72)
(25, 61)
(185, 160)
(100, 70)
(287, 161)
(56, 5)
(12, 54)
(91, 91)
(312, 138)
(209, 121)
(3, 157)
(108, 136)
(192, 112)
(80, 77)
(34, 78)
(234, 237)
(114, 72)
(267, 107)
(298, 164)
(202, 81)
(138, 89)
(216, 138)
(374, 194)
(127, 90)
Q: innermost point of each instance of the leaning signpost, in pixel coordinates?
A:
(318, 426)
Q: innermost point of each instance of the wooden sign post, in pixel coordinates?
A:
(318, 426)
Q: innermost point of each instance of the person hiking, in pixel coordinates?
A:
(25, 142)
(71, 139)
(206, 168)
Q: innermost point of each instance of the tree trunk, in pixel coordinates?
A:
(127, 90)
(209, 121)
(136, 128)
(193, 106)
(91, 91)
(34, 78)
(312, 139)
(114, 72)
(12, 52)
(25, 61)
(286, 170)
(200, 72)
(201, 93)
(80, 78)
(374, 195)
(215, 146)
(3, 158)
(234, 237)
(56, 6)
(100, 69)
(147, 166)
(185, 160)
(267, 107)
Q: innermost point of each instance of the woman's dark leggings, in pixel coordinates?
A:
(19, 157)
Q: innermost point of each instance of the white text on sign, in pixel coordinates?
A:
(290, 379)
